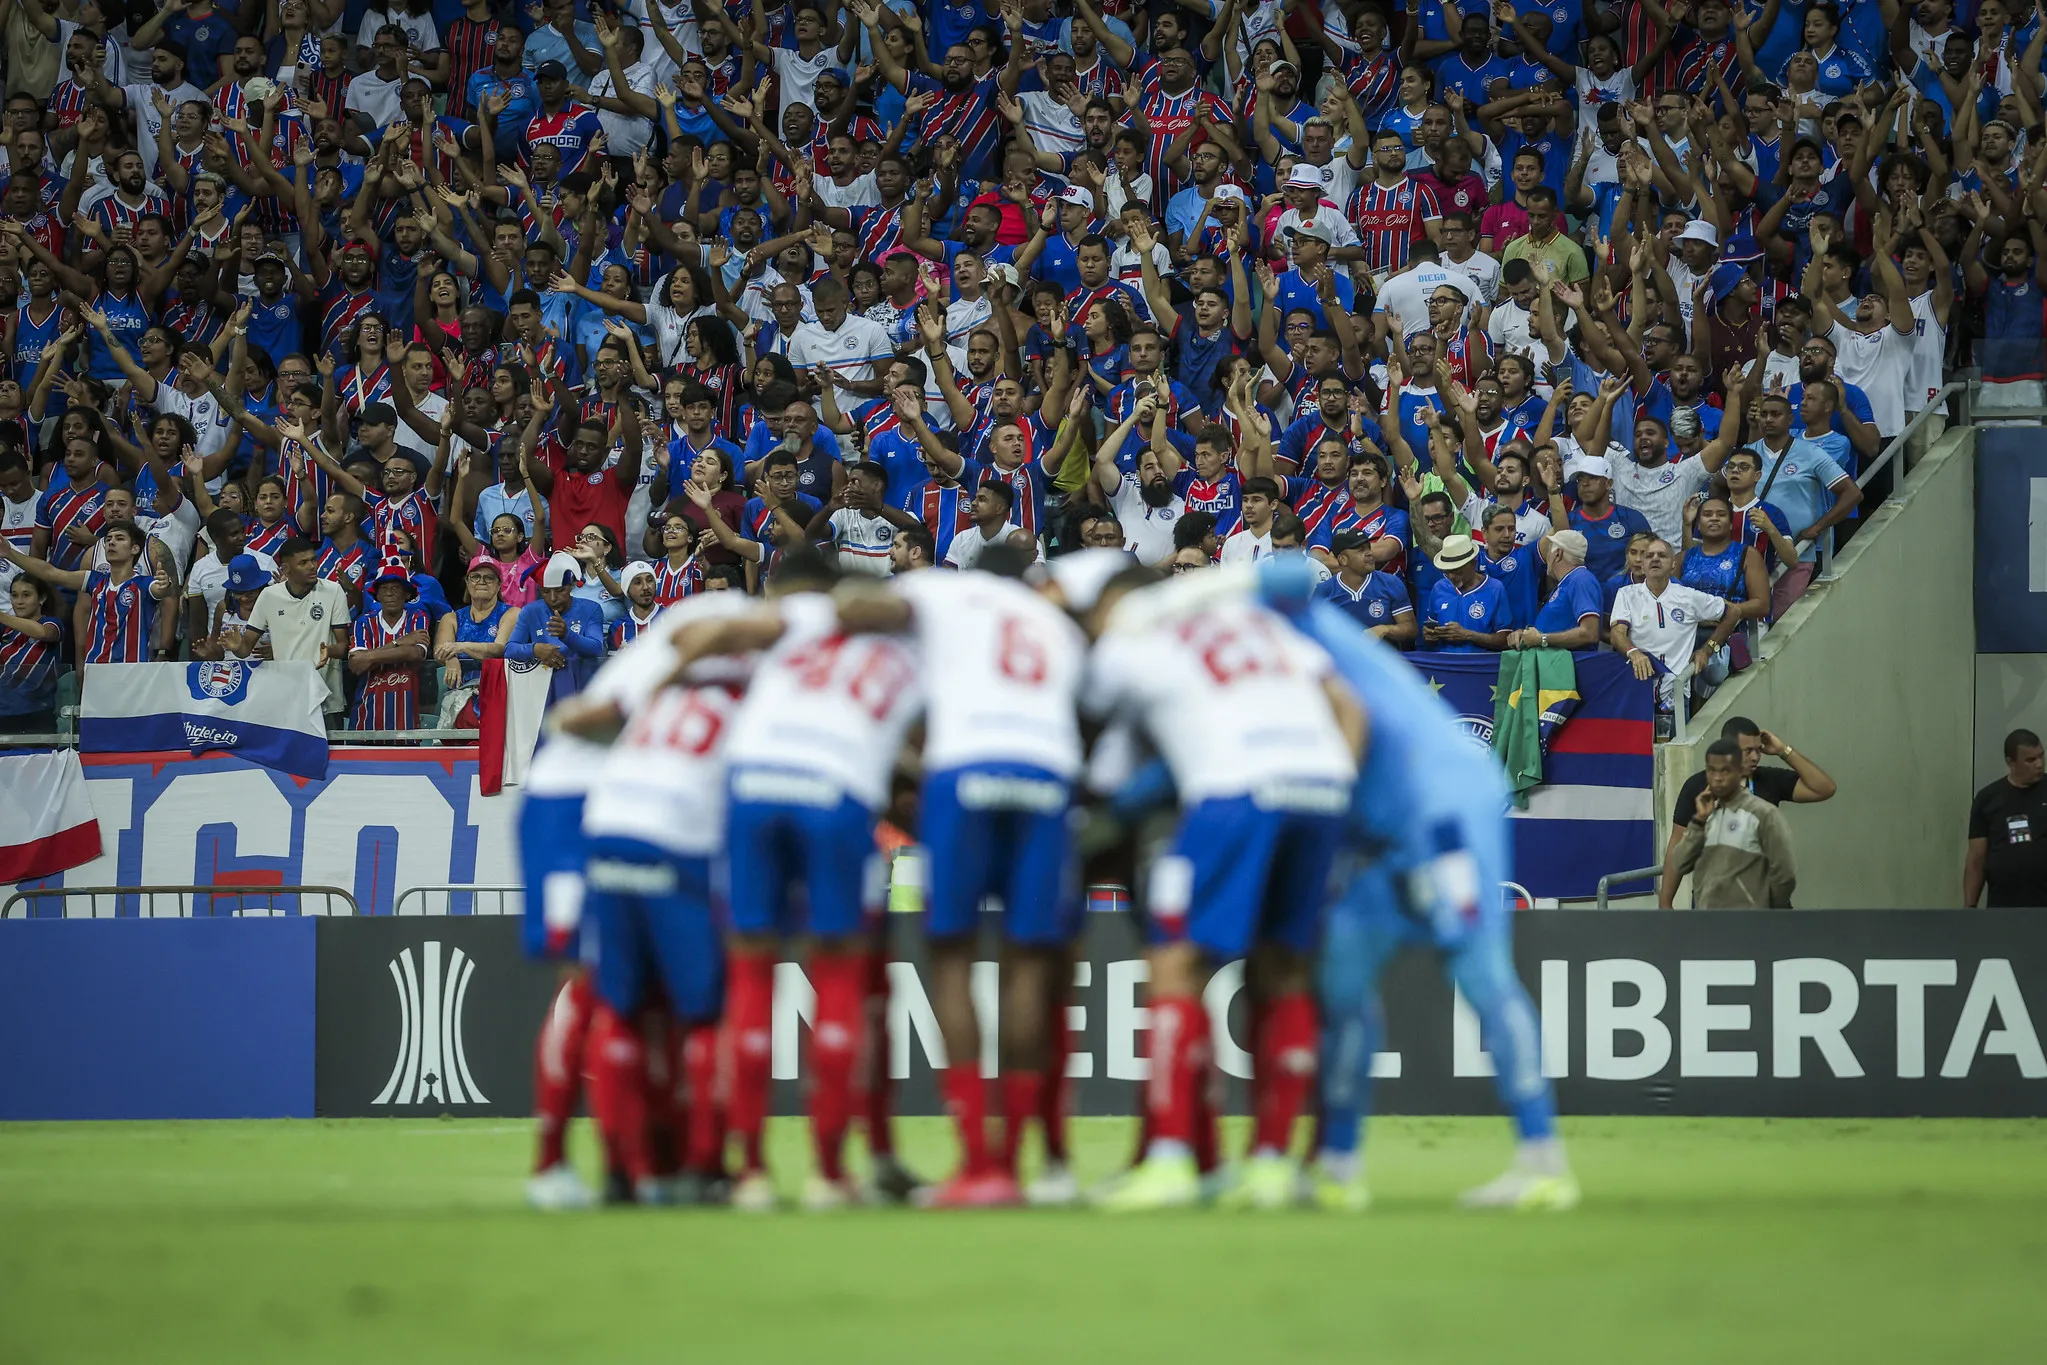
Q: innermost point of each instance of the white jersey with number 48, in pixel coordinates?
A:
(1001, 669)
(826, 712)
(1231, 696)
(663, 781)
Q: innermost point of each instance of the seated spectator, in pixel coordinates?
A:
(1570, 617)
(479, 629)
(560, 632)
(1375, 599)
(1465, 611)
(390, 644)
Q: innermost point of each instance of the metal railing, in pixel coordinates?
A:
(1633, 874)
(187, 900)
(339, 739)
(478, 893)
(1935, 407)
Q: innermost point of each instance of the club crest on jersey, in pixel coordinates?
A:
(1475, 610)
(1677, 614)
(1509, 564)
(222, 681)
(1376, 610)
(1616, 532)
(317, 611)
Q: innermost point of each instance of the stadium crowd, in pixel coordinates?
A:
(1562, 323)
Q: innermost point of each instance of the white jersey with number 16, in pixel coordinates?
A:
(1231, 696)
(1001, 668)
(827, 706)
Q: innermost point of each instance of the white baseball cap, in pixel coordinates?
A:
(1598, 466)
(562, 571)
(1223, 192)
(1078, 197)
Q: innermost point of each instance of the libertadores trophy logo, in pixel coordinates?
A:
(432, 1067)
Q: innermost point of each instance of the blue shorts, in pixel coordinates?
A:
(1242, 872)
(1445, 891)
(793, 868)
(551, 863)
(650, 916)
(1000, 829)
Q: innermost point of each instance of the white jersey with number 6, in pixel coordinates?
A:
(1231, 696)
(1001, 669)
(826, 706)
(663, 781)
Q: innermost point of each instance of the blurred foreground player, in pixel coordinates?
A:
(654, 820)
(1431, 808)
(1262, 742)
(1001, 751)
(551, 861)
(809, 756)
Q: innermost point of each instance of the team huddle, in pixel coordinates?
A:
(710, 801)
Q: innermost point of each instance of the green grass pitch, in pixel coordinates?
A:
(382, 1242)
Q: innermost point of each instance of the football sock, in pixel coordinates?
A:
(558, 1068)
(878, 1094)
(1022, 1099)
(1285, 1062)
(1207, 1125)
(704, 1145)
(618, 1092)
(749, 1033)
(1179, 1035)
(667, 1112)
(1544, 1156)
(966, 1099)
(840, 979)
(1052, 1097)
(1258, 1016)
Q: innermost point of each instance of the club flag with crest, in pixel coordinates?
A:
(269, 714)
(1537, 692)
(1594, 810)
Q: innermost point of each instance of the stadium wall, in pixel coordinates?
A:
(382, 820)
(1833, 1013)
(1873, 673)
(2011, 591)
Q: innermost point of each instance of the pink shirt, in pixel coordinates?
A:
(1503, 222)
(518, 581)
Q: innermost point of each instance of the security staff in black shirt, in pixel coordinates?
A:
(2008, 831)
(1803, 782)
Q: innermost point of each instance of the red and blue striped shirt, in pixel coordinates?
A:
(389, 695)
(118, 617)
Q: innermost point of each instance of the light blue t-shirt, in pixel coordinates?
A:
(1802, 487)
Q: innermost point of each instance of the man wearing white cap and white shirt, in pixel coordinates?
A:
(1693, 256)
(1657, 620)
(1310, 205)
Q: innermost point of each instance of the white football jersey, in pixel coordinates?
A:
(663, 780)
(1232, 697)
(827, 711)
(17, 528)
(1002, 667)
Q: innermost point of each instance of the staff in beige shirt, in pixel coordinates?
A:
(1737, 846)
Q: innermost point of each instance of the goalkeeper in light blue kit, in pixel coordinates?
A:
(1430, 810)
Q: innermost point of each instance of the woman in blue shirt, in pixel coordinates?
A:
(478, 630)
(1716, 562)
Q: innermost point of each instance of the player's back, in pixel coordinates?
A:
(1231, 696)
(1001, 668)
(1420, 763)
(826, 709)
(663, 780)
